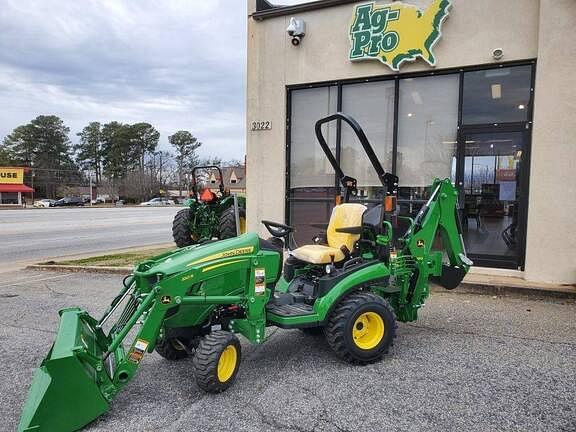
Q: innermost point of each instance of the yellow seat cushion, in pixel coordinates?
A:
(344, 216)
(317, 254)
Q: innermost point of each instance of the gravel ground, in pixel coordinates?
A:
(472, 362)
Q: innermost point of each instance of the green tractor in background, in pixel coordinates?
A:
(207, 214)
(372, 268)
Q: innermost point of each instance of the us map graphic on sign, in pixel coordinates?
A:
(395, 33)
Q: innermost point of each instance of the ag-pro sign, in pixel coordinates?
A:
(395, 33)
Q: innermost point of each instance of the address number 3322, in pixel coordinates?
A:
(261, 125)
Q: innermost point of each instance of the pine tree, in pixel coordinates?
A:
(186, 145)
(89, 149)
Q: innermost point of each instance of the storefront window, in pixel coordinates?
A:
(9, 198)
(427, 135)
(372, 106)
(305, 214)
(491, 140)
(308, 165)
(497, 95)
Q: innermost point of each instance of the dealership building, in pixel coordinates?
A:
(483, 93)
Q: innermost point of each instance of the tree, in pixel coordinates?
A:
(117, 152)
(234, 163)
(186, 157)
(43, 144)
(211, 160)
(144, 142)
(4, 156)
(89, 150)
(20, 146)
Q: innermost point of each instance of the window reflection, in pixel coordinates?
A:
(427, 130)
(496, 95)
(308, 165)
(372, 106)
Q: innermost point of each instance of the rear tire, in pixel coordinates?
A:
(228, 222)
(181, 228)
(216, 361)
(361, 328)
(170, 349)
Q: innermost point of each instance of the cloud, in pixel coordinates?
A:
(177, 64)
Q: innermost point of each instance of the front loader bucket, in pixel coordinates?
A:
(66, 392)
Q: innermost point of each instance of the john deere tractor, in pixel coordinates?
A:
(207, 214)
(372, 269)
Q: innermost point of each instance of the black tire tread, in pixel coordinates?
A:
(205, 362)
(335, 329)
(228, 222)
(181, 228)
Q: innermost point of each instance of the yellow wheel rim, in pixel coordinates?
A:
(227, 363)
(368, 330)
(242, 225)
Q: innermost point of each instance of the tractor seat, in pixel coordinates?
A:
(343, 216)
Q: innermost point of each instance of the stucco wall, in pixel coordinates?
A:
(470, 34)
(551, 239)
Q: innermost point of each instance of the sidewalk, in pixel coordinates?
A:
(483, 283)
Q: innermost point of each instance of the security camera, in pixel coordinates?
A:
(296, 29)
(498, 53)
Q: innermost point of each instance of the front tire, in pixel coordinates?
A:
(228, 222)
(216, 361)
(181, 228)
(361, 328)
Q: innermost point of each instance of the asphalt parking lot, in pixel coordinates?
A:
(471, 363)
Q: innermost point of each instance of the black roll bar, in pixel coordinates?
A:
(389, 181)
(204, 167)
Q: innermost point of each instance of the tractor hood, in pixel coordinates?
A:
(183, 259)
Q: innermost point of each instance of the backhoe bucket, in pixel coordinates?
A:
(65, 394)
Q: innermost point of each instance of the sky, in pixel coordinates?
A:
(177, 64)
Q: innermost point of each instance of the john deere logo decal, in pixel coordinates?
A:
(395, 33)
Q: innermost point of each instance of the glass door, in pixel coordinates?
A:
(492, 177)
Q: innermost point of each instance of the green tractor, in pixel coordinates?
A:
(207, 214)
(193, 302)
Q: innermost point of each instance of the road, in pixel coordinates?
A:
(38, 234)
(471, 363)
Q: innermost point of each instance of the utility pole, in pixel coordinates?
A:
(91, 197)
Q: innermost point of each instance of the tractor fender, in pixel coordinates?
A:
(229, 202)
(364, 276)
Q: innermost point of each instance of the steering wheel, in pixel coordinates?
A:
(277, 229)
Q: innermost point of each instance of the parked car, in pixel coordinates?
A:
(154, 202)
(44, 203)
(69, 202)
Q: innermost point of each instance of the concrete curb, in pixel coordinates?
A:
(78, 269)
(465, 287)
(507, 290)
